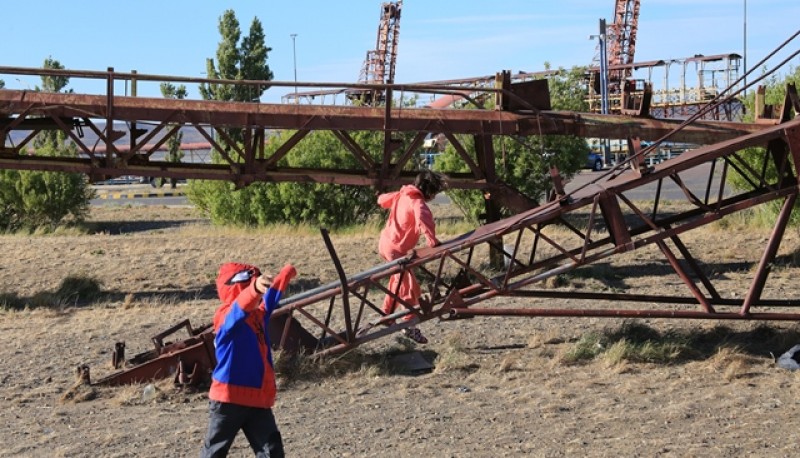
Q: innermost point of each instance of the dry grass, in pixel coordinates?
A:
(532, 387)
(733, 363)
(452, 354)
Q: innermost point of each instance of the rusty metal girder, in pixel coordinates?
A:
(312, 117)
(246, 163)
(189, 361)
(347, 313)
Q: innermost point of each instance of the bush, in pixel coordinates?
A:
(755, 157)
(522, 163)
(261, 204)
(32, 200)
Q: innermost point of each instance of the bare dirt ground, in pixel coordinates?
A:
(501, 386)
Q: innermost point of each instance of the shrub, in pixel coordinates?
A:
(33, 200)
(261, 204)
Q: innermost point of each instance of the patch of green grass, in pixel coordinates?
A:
(585, 349)
(639, 343)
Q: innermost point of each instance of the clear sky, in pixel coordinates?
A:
(439, 39)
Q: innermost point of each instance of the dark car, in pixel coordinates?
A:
(594, 161)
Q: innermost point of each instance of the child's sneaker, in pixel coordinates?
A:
(415, 335)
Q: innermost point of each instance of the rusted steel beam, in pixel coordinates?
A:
(686, 314)
(460, 282)
(278, 116)
(764, 265)
(166, 359)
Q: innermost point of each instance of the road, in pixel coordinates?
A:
(144, 194)
(695, 179)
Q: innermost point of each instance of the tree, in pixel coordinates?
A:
(266, 203)
(248, 62)
(174, 153)
(774, 94)
(261, 204)
(234, 62)
(53, 139)
(44, 199)
(524, 162)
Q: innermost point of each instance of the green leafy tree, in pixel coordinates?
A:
(774, 94)
(53, 139)
(32, 199)
(244, 58)
(174, 153)
(247, 61)
(524, 162)
(261, 204)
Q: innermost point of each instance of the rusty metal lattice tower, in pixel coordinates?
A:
(622, 45)
(612, 63)
(379, 64)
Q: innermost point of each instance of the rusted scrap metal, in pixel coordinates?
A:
(189, 361)
(526, 113)
(348, 312)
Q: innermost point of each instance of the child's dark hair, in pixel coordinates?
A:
(430, 183)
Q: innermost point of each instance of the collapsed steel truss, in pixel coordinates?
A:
(459, 276)
(458, 273)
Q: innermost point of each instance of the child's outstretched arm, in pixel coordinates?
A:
(278, 286)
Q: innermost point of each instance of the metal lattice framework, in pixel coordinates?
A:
(460, 279)
(622, 45)
(379, 65)
(459, 273)
(107, 115)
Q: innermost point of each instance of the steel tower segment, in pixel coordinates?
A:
(622, 43)
(347, 313)
(379, 65)
(595, 224)
(31, 112)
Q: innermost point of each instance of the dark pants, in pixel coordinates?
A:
(258, 425)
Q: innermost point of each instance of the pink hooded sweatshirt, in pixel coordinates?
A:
(409, 216)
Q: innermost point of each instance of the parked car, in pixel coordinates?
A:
(594, 161)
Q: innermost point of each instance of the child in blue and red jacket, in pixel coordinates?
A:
(243, 382)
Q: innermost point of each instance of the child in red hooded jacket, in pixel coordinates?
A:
(243, 382)
(409, 216)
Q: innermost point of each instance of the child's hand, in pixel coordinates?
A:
(263, 282)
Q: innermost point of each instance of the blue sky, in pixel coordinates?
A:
(439, 39)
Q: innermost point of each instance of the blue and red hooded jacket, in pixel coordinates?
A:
(244, 374)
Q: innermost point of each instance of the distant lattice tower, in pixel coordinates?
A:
(622, 37)
(380, 63)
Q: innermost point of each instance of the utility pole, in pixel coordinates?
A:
(294, 59)
(744, 46)
(603, 68)
(604, 102)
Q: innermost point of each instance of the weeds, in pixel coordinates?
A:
(639, 343)
(453, 355)
(292, 368)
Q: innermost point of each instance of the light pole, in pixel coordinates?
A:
(603, 79)
(744, 46)
(294, 60)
